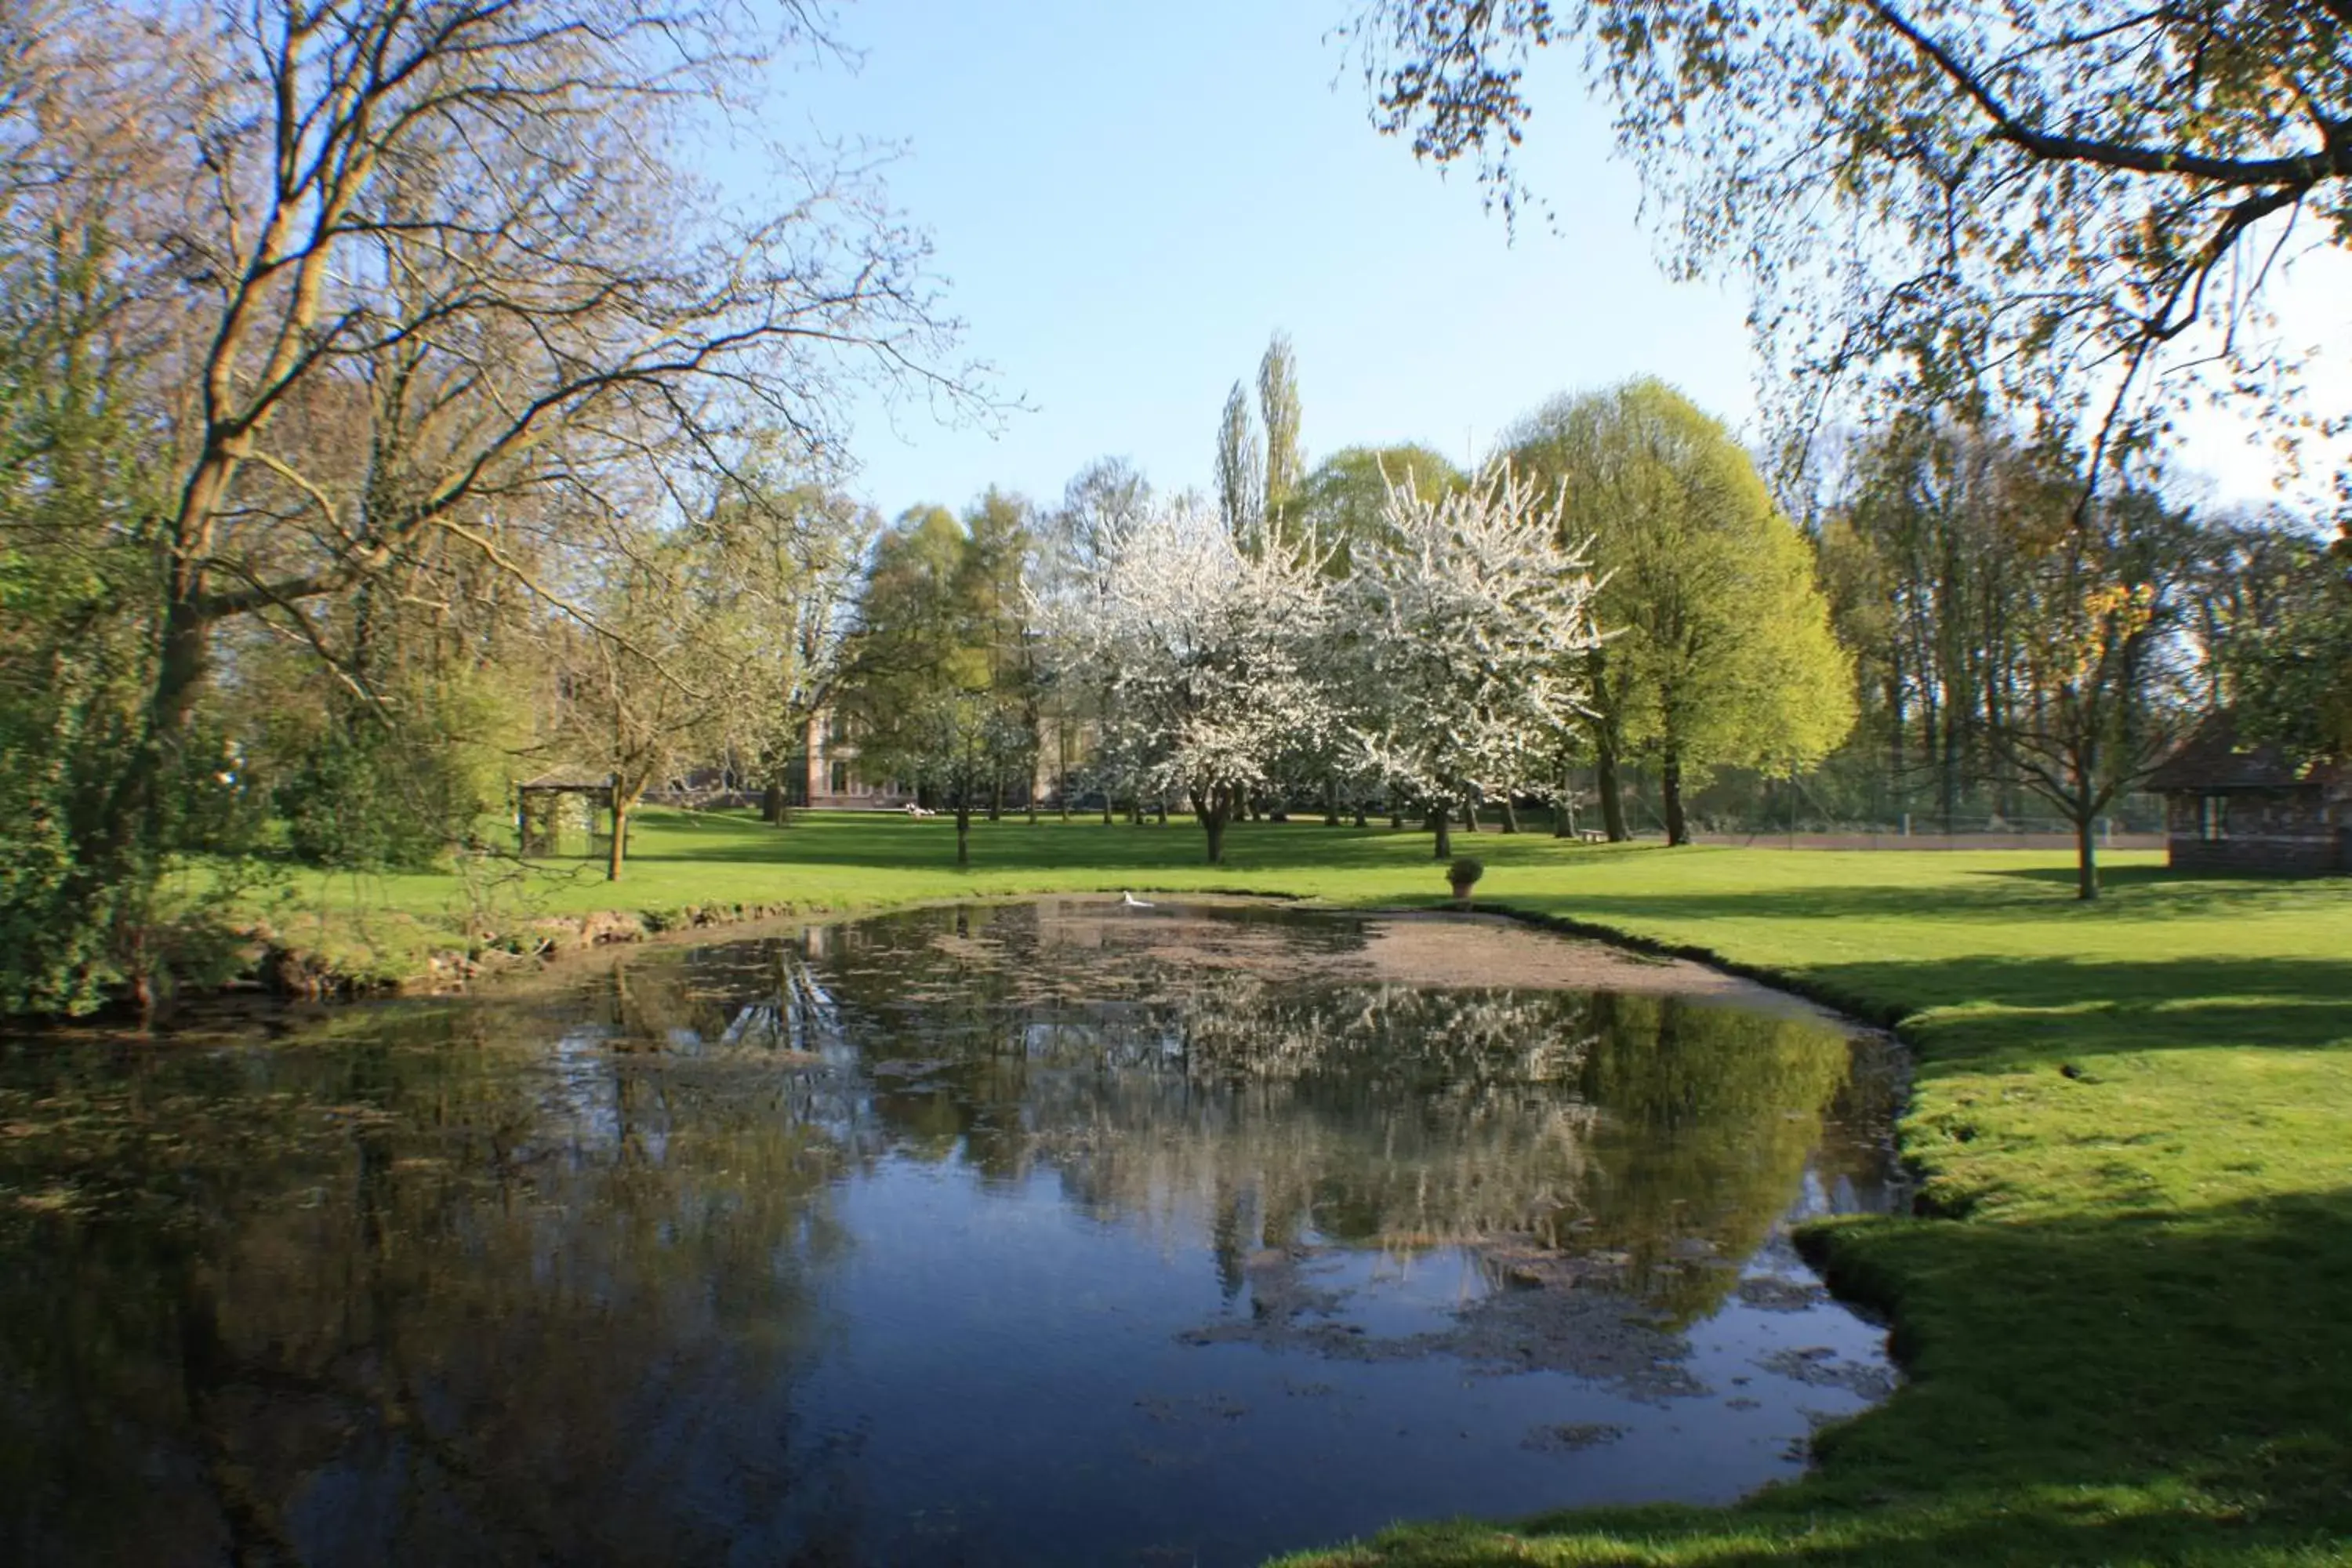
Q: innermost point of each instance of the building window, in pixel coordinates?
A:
(841, 778)
(2213, 818)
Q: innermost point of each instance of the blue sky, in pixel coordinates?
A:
(1126, 200)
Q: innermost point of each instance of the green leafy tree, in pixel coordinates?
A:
(398, 777)
(945, 688)
(958, 742)
(994, 602)
(784, 564)
(1343, 501)
(1718, 649)
(78, 590)
(2281, 604)
(1922, 545)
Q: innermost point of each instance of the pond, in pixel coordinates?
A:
(1053, 1233)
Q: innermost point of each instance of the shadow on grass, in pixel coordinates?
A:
(2161, 886)
(2122, 1389)
(1977, 893)
(2166, 1003)
(2181, 979)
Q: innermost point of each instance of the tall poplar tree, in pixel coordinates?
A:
(1241, 471)
(1277, 403)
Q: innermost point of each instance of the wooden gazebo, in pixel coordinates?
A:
(536, 799)
(2235, 806)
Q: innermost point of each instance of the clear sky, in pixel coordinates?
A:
(1126, 200)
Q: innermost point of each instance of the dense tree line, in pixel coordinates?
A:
(1378, 631)
(1949, 622)
(2026, 643)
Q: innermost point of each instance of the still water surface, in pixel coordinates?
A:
(1055, 1233)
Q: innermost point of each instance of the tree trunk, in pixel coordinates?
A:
(1948, 770)
(1510, 814)
(1359, 811)
(1443, 848)
(1213, 821)
(1062, 768)
(1161, 804)
(776, 804)
(963, 828)
(1898, 728)
(618, 849)
(2086, 858)
(128, 843)
(997, 799)
(1670, 791)
(1605, 786)
(1330, 801)
(1469, 811)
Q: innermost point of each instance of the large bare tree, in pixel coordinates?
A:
(470, 226)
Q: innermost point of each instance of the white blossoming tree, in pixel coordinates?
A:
(1212, 651)
(1464, 624)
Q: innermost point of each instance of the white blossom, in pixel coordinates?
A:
(1465, 623)
(1211, 651)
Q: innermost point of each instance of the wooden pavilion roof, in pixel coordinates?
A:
(2215, 758)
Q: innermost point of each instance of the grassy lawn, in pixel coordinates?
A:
(2126, 1316)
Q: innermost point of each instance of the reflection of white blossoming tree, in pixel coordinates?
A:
(1463, 617)
(1210, 648)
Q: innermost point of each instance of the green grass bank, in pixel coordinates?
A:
(2126, 1315)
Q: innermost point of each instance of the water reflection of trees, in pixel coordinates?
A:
(496, 1282)
(395, 1300)
(1658, 1135)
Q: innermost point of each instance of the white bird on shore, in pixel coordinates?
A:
(1132, 902)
